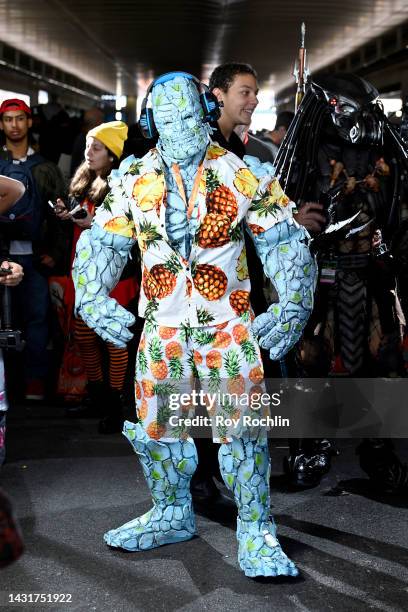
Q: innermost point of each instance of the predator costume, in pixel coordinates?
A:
(341, 150)
(186, 202)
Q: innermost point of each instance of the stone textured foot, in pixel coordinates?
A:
(153, 529)
(168, 468)
(260, 553)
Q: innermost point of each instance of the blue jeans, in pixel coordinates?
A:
(31, 303)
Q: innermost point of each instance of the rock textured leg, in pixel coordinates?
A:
(245, 468)
(168, 468)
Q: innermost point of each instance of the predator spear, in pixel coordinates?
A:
(301, 70)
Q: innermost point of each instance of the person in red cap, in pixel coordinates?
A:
(15, 104)
(15, 122)
(34, 238)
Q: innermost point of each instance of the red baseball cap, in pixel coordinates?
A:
(14, 104)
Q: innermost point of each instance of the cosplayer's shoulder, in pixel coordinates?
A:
(234, 171)
(224, 157)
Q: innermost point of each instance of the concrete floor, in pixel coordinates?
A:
(69, 485)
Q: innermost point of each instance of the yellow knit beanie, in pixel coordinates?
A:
(112, 134)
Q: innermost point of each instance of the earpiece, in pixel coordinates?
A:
(146, 121)
(209, 103)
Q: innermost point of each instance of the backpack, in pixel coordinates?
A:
(23, 220)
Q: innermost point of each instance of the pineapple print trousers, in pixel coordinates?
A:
(223, 361)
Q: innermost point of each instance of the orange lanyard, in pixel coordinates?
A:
(193, 196)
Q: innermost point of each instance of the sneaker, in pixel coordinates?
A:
(35, 390)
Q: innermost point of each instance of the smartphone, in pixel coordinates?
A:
(5, 271)
(75, 210)
(57, 208)
(78, 212)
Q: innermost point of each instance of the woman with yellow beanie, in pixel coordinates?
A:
(88, 188)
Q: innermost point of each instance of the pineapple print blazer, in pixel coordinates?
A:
(212, 286)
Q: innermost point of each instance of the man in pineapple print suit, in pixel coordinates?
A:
(187, 202)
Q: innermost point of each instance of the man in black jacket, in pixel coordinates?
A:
(235, 86)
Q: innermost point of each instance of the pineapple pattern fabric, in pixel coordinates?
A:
(210, 274)
(224, 360)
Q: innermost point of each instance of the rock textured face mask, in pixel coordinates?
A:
(178, 116)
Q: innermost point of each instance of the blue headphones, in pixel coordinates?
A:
(208, 101)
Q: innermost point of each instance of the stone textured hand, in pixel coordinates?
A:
(99, 261)
(289, 264)
(258, 168)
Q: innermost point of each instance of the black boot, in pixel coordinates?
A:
(93, 405)
(308, 462)
(379, 461)
(207, 498)
(203, 487)
(112, 422)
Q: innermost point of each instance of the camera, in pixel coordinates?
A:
(9, 337)
(5, 271)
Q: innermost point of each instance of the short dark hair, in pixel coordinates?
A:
(223, 76)
(284, 119)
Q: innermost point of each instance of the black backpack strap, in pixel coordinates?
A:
(34, 160)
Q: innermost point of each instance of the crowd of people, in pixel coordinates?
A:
(44, 239)
(40, 234)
